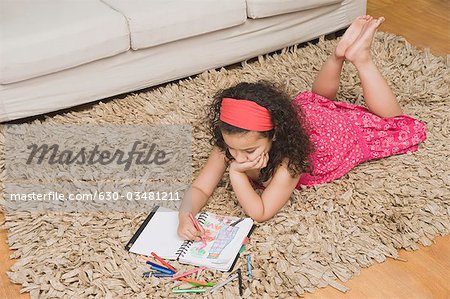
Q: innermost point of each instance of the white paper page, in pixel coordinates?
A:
(160, 235)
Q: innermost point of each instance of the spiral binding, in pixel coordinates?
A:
(202, 217)
(186, 244)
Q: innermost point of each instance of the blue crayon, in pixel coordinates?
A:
(249, 268)
(160, 268)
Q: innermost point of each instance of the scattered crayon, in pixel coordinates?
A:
(163, 262)
(197, 282)
(160, 268)
(188, 273)
(188, 291)
(161, 275)
(229, 279)
(241, 291)
(249, 267)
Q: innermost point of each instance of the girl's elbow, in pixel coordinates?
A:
(258, 217)
(261, 218)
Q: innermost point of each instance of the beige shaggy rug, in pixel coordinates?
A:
(323, 236)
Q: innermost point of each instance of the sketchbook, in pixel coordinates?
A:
(223, 240)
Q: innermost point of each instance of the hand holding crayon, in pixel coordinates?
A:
(197, 225)
(187, 229)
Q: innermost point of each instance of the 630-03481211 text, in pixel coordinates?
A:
(104, 195)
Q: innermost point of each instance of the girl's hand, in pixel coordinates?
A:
(186, 229)
(258, 163)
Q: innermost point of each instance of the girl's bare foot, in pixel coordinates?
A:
(351, 34)
(359, 51)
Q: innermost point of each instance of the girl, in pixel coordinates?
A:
(271, 143)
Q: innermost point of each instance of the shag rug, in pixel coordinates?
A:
(323, 236)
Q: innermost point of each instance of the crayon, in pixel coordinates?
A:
(241, 292)
(196, 282)
(188, 273)
(163, 262)
(197, 225)
(153, 260)
(160, 268)
(194, 221)
(231, 278)
(161, 275)
(188, 291)
(209, 284)
(249, 268)
(146, 258)
(156, 265)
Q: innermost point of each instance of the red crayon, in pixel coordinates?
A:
(164, 262)
(194, 221)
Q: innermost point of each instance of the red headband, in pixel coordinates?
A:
(245, 114)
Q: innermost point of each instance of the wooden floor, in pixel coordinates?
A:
(424, 23)
(426, 274)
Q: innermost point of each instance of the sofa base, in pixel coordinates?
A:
(134, 70)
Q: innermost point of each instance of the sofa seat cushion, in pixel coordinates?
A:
(162, 21)
(257, 9)
(46, 36)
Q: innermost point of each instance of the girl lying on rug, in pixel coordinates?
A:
(270, 143)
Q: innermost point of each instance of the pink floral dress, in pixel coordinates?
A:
(345, 135)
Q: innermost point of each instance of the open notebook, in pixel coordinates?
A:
(158, 233)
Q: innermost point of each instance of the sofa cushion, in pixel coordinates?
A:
(161, 21)
(257, 9)
(46, 36)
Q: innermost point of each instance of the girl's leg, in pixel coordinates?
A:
(326, 83)
(378, 96)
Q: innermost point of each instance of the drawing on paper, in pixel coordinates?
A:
(224, 237)
(218, 234)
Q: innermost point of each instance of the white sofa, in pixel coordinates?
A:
(56, 54)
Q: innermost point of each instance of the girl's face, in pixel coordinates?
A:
(246, 146)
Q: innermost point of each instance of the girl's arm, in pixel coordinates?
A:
(203, 186)
(197, 196)
(274, 197)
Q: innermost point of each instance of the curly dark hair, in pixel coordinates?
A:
(291, 142)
